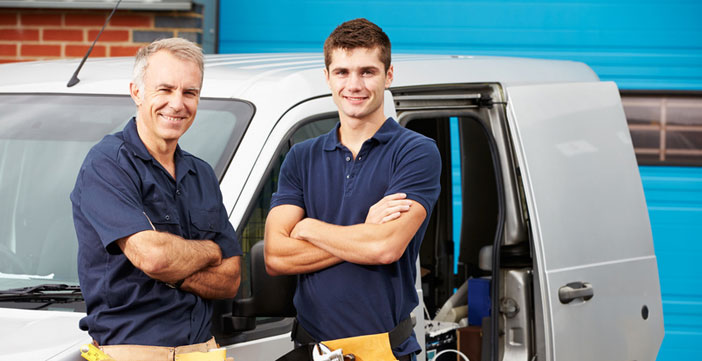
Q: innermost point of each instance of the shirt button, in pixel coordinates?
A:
(348, 159)
(167, 217)
(177, 191)
(347, 176)
(359, 157)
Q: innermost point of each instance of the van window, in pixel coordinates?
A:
(253, 227)
(43, 141)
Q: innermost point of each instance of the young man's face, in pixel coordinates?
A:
(168, 101)
(357, 79)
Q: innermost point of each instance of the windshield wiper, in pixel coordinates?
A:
(43, 293)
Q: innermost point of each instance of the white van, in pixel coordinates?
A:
(547, 178)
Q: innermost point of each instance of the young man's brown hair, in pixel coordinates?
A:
(358, 33)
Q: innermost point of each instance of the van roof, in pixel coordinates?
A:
(290, 75)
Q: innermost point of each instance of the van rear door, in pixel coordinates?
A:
(596, 277)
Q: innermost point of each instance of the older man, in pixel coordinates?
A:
(155, 243)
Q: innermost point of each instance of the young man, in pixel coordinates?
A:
(352, 205)
(155, 242)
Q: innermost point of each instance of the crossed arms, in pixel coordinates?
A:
(294, 244)
(170, 258)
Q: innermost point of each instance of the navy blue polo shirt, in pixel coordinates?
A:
(321, 176)
(119, 185)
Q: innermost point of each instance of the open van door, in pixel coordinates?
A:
(596, 277)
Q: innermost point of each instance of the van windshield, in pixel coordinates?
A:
(43, 140)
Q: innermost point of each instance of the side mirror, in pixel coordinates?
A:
(271, 296)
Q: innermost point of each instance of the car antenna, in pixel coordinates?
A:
(74, 79)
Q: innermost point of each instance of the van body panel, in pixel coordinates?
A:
(611, 325)
(269, 348)
(588, 220)
(34, 335)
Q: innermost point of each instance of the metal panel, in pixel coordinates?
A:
(674, 197)
(589, 221)
(639, 44)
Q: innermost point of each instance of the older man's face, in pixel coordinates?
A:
(168, 102)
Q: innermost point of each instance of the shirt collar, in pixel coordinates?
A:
(183, 165)
(386, 131)
(382, 135)
(131, 137)
(331, 139)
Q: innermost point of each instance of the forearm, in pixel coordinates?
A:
(169, 258)
(361, 243)
(215, 282)
(365, 243)
(286, 255)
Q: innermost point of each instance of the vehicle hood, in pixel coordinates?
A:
(40, 335)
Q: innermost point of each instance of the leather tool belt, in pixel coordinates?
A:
(199, 351)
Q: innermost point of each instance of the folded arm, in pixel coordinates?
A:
(287, 255)
(364, 243)
(215, 282)
(167, 257)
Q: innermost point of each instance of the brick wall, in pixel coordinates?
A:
(39, 34)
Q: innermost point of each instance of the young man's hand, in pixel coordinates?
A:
(388, 208)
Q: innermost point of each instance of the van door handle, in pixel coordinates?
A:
(575, 290)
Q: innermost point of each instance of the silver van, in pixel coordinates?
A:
(539, 182)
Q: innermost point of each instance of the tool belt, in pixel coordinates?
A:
(375, 347)
(199, 351)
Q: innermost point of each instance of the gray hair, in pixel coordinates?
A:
(180, 48)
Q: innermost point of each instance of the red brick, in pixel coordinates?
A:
(40, 50)
(8, 49)
(123, 50)
(109, 35)
(132, 21)
(19, 34)
(85, 19)
(62, 35)
(8, 18)
(40, 19)
(2, 61)
(80, 50)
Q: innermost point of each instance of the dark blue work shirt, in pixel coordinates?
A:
(120, 188)
(321, 176)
